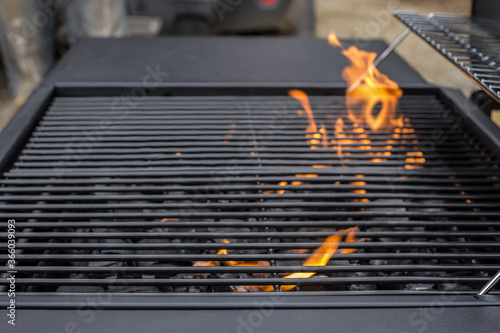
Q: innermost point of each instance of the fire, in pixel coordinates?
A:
(169, 220)
(324, 136)
(309, 175)
(217, 263)
(314, 135)
(333, 40)
(320, 257)
(376, 88)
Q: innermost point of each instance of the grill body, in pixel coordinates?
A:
(69, 192)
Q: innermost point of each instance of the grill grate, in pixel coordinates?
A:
(472, 44)
(91, 188)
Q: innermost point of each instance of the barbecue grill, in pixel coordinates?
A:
(159, 189)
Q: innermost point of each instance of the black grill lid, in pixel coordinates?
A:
(191, 61)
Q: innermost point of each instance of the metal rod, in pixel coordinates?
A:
(380, 58)
(487, 287)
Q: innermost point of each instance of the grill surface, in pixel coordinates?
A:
(472, 44)
(96, 178)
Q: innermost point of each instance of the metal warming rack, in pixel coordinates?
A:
(96, 256)
(471, 43)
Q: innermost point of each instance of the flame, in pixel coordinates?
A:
(339, 128)
(333, 40)
(314, 135)
(304, 100)
(320, 257)
(169, 220)
(216, 263)
(309, 175)
(350, 238)
(324, 136)
(374, 89)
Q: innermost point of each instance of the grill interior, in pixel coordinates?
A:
(143, 196)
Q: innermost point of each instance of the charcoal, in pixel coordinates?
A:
(81, 289)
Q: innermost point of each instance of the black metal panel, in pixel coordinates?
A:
(213, 60)
(486, 8)
(432, 318)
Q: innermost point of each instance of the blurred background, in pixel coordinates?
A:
(35, 33)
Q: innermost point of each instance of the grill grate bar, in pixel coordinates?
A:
(260, 269)
(249, 197)
(247, 215)
(243, 282)
(325, 174)
(246, 205)
(249, 257)
(258, 235)
(275, 224)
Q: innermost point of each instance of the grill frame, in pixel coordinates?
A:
(219, 306)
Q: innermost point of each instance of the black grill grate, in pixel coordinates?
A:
(94, 181)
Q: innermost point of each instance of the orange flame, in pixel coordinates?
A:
(216, 263)
(304, 100)
(166, 219)
(374, 89)
(313, 134)
(320, 257)
(339, 128)
(333, 40)
(324, 136)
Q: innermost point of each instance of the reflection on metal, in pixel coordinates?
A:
(487, 287)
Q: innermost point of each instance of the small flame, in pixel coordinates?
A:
(324, 136)
(320, 257)
(314, 135)
(350, 238)
(333, 40)
(309, 175)
(304, 100)
(169, 220)
(339, 128)
(216, 263)
(376, 88)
